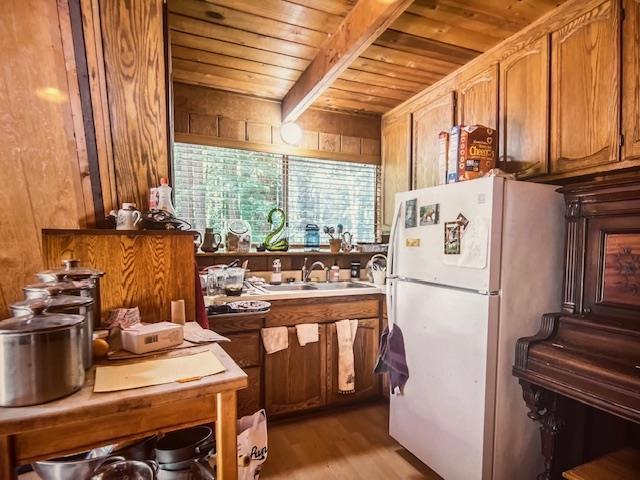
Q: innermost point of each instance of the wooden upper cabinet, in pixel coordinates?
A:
(585, 90)
(524, 110)
(631, 75)
(428, 121)
(295, 378)
(396, 160)
(365, 353)
(478, 97)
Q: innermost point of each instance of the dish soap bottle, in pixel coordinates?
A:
(276, 273)
(164, 197)
(334, 273)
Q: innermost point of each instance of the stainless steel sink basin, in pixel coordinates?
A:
(291, 287)
(340, 285)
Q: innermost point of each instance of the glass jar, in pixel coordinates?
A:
(238, 237)
(233, 281)
(312, 238)
(215, 281)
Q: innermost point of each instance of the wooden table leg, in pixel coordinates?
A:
(226, 436)
(7, 463)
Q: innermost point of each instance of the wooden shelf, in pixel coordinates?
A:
(113, 231)
(290, 253)
(620, 465)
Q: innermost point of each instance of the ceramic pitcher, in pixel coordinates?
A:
(128, 217)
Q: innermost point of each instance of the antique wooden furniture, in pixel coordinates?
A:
(146, 269)
(589, 352)
(87, 420)
(554, 91)
(621, 465)
(301, 379)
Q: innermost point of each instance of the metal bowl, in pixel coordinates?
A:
(79, 466)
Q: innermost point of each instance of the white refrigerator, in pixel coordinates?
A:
(461, 312)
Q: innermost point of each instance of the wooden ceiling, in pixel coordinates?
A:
(261, 47)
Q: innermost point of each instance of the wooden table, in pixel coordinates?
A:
(87, 420)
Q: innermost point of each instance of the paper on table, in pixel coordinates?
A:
(193, 332)
(156, 372)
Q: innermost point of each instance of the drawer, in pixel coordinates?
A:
(322, 310)
(244, 348)
(235, 323)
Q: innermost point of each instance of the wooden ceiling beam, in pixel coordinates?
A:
(363, 24)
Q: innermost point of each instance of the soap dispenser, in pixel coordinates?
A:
(276, 272)
(334, 274)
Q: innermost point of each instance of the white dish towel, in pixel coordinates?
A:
(275, 339)
(307, 333)
(346, 331)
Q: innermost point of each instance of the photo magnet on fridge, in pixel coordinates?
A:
(411, 213)
(429, 214)
(452, 238)
(462, 220)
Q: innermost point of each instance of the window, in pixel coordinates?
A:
(213, 184)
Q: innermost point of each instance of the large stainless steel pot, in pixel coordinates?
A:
(85, 280)
(40, 358)
(79, 466)
(64, 304)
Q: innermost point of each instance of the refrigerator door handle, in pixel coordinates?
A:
(391, 276)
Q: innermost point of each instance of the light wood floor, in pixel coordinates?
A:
(349, 444)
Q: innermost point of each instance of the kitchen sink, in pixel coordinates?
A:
(340, 285)
(288, 287)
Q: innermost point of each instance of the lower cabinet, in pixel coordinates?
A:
(295, 378)
(365, 350)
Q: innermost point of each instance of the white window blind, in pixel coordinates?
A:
(213, 184)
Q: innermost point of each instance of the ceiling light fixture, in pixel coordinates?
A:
(291, 133)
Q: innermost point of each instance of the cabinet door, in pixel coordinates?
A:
(631, 74)
(478, 98)
(396, 158)
(585, 90)
(295, 378)
(524, 110)
(428, 121)
(365, 351)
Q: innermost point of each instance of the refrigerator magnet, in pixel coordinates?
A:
(429, 214)
(452, 238)
(411, 213)
(462, 220)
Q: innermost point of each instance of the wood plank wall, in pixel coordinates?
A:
(206, 115)
(42, 158)
(133, 43)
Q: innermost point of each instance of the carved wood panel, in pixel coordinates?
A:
(585, 90)
(524, 110)
(621, 270)
(428, 121)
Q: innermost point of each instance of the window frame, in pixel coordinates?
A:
(285, 152)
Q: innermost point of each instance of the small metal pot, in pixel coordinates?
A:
(142, 450)
(40, 358)
(127, 469)
(64, 304)
(79, 466)
(182, 446)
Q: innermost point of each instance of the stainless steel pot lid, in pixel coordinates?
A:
(38, 323)
(52, 288)
(56, 301)
(70, 269)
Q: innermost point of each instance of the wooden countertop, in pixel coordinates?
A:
(85, 404)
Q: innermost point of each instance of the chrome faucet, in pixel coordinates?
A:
(306, 273)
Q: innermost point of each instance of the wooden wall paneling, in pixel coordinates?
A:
(143, 269)
(631, 83)
(428, 121)
(396, 151)
(295, 378)
(202, 124)
(132, 37)
(181, 121)
(231, 128)
(478, 97)
(585, 90)
(524, 110)
(329, 142)
(99, 101)
(365, 351)
(38, 151)
(350, 144)
(258, 132)
(370, 146)
(311, 140)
